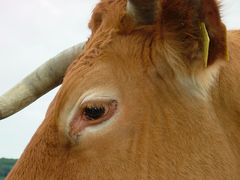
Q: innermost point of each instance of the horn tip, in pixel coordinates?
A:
(144, 12)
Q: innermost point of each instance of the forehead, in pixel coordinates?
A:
(117, 51)
(107, 67)
(110, 52)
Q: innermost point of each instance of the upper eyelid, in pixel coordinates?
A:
(98, 93)
(95, 98)
(96, 102)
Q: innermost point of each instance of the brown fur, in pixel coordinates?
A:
(169, 128)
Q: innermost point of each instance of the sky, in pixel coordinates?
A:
(31, 32)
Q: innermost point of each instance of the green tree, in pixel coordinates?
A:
(5, 166)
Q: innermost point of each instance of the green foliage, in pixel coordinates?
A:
(5, 166)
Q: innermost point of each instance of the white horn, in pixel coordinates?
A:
(42, 80)
(144, 11)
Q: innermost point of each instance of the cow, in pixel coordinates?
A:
(153, 94)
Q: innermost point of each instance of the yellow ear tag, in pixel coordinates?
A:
(227, 55)
(206, 42)
(227, 51)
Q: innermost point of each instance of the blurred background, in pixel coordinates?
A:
(31, 32)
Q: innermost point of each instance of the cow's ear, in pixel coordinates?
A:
(216, 30)
(197, 24)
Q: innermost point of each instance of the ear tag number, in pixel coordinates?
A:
(206, 42)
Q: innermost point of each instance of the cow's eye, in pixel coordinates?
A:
(98, 111)
(90, 113)
(94, 112)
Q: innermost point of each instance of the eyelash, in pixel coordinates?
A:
(93, 107)
(92, 113)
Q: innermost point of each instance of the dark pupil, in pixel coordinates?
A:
(94, 113)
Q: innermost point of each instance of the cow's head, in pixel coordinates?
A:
(136, 103)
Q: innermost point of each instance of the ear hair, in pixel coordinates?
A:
(210, 15)
(184, 19)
